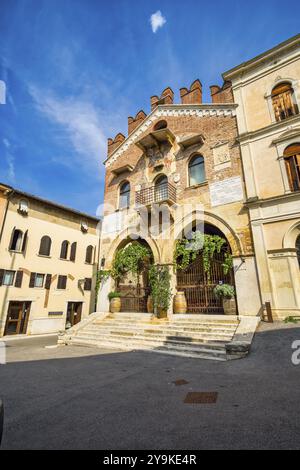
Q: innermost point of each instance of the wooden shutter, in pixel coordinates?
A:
(11, 238)
(64, 249)
(1, 276)
(73, 251)
(19, 279)
(48, 281)
(32, 279)
(87, 283)
(24, 241)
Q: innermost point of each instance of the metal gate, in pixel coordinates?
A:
(134, 298)
(198, 286)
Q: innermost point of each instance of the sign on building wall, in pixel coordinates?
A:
(226, 191)
(221, 157)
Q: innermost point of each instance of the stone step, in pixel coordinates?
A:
(162, 331)
(168, 348)
(160, 334)
(152, 341)
(176, 319)
(173, 325)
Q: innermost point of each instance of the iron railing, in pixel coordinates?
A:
(155, 194)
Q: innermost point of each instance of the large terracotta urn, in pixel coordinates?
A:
(150, 307)
(180, 304)
(115, 305)
(229, 306)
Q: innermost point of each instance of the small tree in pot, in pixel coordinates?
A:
(226, 293)
(159, 280)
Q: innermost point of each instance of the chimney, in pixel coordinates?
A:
(222, 95)
(133, 123)
(193, 95)
(112, 144)
(167, 97)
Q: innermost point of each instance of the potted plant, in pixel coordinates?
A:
(115, 301)
(226, 293)
(159, 280)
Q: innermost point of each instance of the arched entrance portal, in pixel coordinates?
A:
(134, 287)
(198, 284)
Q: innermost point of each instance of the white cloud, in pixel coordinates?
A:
(79, 121)
(157, 21)
(10, 160)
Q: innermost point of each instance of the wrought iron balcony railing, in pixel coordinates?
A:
(156, 194)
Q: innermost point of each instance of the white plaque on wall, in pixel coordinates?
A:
(226, 191)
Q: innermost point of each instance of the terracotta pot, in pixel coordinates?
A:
(229, 306)
(150, 308)
(161, 313)
(180, 304)
(115, 305)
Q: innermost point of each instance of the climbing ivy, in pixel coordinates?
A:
(186, 251)
(160, 284)
(131, 259)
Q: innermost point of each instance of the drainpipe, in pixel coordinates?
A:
(10, 193)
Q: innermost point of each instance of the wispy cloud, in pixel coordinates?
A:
(79, 122)
(157, 21)
(10, 160)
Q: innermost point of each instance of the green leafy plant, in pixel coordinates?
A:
(101, 276)
(291, 319)
(114, 295)
(224, 291)
(186, 251)
(131, 258)
(160, 282)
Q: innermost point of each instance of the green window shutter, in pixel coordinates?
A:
(48, 281)
(87, 283)
(32, 279)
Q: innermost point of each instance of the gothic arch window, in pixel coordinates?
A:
(292, 163)
(283, 101)
(89, 254)
(64, 249)
(124, 200)
(196, 170)
(45, 246)
(298, 249)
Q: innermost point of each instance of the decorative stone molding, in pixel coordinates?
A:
(173, 111)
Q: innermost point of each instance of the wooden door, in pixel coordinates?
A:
(74, 311)
(17, 318)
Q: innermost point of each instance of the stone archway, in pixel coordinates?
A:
(134, 288)
(198, 284)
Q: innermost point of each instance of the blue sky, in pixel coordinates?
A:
(76, 69)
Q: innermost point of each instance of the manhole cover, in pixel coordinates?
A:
(201, 397)
(180, 382)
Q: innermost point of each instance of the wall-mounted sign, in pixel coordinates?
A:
(55, 314)
(226, 191)
(221, 157)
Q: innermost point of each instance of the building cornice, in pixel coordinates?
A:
(267, 55)
(271, 128)
(256, 202)
(174, 110)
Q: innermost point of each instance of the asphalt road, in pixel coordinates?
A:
(87, 398)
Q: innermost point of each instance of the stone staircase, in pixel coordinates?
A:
(200, 336)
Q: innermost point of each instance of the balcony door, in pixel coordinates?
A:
(161, 188)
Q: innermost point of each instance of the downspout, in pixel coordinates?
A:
(5, 213)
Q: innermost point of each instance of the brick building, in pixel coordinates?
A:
(185, 158)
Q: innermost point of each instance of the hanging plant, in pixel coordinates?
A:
(131, 259)
(101, 276)
(186, 251)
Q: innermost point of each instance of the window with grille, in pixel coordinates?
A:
(283, 101)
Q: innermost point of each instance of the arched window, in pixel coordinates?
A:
(283, 101)
(196, 170)
(64, 249)
(161, 188)
(160, 125)
(45, 246)
(292, 163)
(89, 254)
(298, 249)
(16, 243)
(124, 195)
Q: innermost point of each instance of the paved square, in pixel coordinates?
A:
(86, 398)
